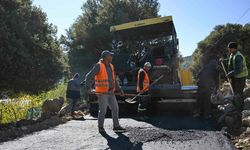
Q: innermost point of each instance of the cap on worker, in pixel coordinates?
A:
(106, 53)
(76, 76)
(232, 45)
(147, 65)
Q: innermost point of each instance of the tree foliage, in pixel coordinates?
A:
(214, 46)
(90, 34)
(30, 55)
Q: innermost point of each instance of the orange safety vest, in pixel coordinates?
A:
(101, 79)
(145, 81)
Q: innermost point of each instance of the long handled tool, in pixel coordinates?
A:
(230, 85)
(132, 101)
(125, 94)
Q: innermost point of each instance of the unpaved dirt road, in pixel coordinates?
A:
(160, 133)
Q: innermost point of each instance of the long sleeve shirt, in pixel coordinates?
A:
(74, 85)
(95, 70)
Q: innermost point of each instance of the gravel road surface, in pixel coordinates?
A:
(161, 133)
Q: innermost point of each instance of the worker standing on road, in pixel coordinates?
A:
(208, 81)
(143, 83)
(105, 86)
(237, 71)
(73, 92)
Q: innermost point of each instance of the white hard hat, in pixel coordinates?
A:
(147, 65)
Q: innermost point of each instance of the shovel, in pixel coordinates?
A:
(230, 85)
(132, 101)
(105, 93)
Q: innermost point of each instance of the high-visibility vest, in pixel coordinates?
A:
(244, 72)
(145, 81)
(101, 79)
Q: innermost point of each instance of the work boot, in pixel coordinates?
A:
(119, 129)
(207, 116)
(196, 115)
(141, 118)
(146, 117)
(224, 131)
(101, 130)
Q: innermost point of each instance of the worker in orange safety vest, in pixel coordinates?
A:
(105, 86)
(143, 83)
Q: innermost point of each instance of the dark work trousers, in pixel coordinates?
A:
(144, 100)
(203, 104)
(73, 104)
(238, 85)
(74, 96)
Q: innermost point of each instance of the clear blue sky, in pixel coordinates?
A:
(193, 19)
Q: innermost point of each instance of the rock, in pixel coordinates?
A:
(243, 143)
(67, 109)
(67, 118)
(245, 113)
(248, 130)
(221, 96)
(24, 128)
(217, 98)
(53, 106)
(246, 121)
(247, 92)
(64, 110)
(247, 104)
(82, 107)
(247, 140)
(79, 113)
(237, 145)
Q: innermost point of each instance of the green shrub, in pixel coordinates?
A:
(16, 108)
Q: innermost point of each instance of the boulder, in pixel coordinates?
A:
(247, 92)
(217, 98)
(245, 113)
(52, 106)
(67, 109)
(246, 121)
(247, 104)
(82, 107)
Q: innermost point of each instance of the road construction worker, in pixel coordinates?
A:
(105, 86)
(73, 92)
(208, 81)
(143, 83)
(237, 71)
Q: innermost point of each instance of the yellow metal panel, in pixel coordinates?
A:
(140, 23)
(185, 77)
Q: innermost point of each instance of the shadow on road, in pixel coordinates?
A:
(122, 142)
(173, 122)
